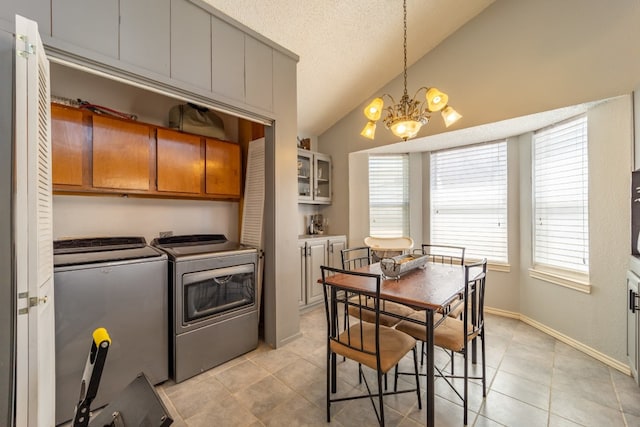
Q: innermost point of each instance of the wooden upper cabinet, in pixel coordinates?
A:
(69, 139)
(121, 154)
(180, 162)
(223, 168)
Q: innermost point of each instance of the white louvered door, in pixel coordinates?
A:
(253, 209)
(35, 361)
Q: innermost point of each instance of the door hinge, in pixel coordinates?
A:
(23, 308)
(29, 48)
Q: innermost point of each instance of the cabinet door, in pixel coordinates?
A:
(90, 24)
(316, 256)
(223, 168)
(322, 178)
(302, 251)
(258, 58)
(145, 34)
(336, 245)
(121, 154)
(190, 44)
(180, 162)
(69, 139)
(227, 57)
(305, 177)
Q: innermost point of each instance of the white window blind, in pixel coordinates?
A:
(560, 192)
(389, 195)
(469, 200)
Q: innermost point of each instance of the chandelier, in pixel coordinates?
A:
(406, 117)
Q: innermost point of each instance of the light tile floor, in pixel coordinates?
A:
(533, 380)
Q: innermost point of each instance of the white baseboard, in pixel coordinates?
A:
(607, 360)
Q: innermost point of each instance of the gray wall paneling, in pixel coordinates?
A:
(227, 59)
(258, 59)
(36, 10)
(91, 24)
(145, 34)
(190, 44)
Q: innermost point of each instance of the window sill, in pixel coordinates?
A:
(499, 266)
(502, 267)
(576, 282)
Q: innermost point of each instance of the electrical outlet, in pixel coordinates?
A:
(166, 233)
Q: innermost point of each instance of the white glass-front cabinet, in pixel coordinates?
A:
(314, 177)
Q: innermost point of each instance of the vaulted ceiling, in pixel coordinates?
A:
(348, 49)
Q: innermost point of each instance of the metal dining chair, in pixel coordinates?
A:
(359, 257)
(445, 254)
(456, 335)
(370, 344)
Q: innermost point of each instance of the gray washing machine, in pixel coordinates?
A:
(119, 283)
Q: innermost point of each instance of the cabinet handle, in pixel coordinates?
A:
(633, 297)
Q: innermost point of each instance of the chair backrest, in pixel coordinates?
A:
(475, 276)
(444, 254)
(338, 298)
(355, 257)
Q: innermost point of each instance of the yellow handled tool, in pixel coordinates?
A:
(91, 376)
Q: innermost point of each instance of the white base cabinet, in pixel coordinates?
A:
(315, 252)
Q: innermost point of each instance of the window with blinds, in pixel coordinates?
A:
(469, 200)
(389, 195)
(560, 196)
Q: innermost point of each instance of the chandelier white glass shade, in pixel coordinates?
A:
(405, 118)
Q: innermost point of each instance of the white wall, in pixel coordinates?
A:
(89, 216)
(598, 319)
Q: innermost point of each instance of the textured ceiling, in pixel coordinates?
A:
(348, 48)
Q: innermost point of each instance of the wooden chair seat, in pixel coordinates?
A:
(447, 335)
(370, 315)
(394, 345)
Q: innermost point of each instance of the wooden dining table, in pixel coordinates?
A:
(431, 288)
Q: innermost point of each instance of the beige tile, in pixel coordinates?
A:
(188, 397)
(522, 389)
(583, 411)
(447, 414)
(512, 412)
(297, 412)
(628, 393)
(241, 376)
(557, 421)
(274, 360)
(360, 412)
(264, 395)
(227, 412)
(300, 373)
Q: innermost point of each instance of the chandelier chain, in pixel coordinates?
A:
(408, 115)
(405, 47)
